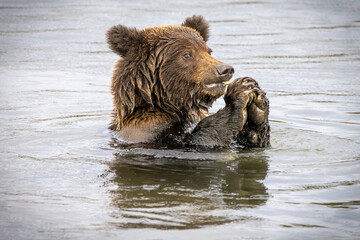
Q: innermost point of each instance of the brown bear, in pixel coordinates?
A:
(165, 82)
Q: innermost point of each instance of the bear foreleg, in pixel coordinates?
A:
(243, 119)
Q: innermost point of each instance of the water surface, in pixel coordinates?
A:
(64, 175)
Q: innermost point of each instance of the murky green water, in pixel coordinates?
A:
(64, 176)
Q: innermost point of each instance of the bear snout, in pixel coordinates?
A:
(224, 72)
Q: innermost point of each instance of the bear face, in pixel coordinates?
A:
(165, 74)
(188, 65)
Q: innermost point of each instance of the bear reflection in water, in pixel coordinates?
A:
(181, 193)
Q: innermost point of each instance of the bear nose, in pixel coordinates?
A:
(225, 69)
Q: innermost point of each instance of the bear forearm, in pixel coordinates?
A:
(218, 130)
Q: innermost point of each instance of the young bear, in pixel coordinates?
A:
(165, 82)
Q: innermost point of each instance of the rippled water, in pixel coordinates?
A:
(64, 176)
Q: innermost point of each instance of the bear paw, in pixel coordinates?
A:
(245, 94)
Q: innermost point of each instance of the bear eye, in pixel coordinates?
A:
(187, 55)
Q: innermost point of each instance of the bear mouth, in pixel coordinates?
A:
(217, 87)
(216, 90)
(212, 85)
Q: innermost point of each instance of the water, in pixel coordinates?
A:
(64, 176)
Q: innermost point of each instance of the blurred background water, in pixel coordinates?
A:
(63, 175)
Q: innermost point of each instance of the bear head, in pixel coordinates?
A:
(165, 68)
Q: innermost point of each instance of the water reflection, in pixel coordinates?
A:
(183, 193)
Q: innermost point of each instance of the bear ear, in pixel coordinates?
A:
(198, 23)
(121, 39)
